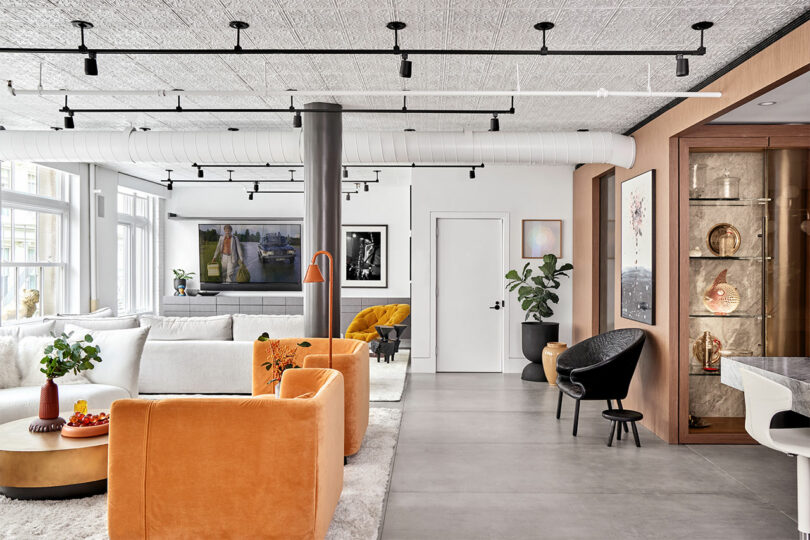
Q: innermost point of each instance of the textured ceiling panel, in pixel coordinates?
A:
(631, 24)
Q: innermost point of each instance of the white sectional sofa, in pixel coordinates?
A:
(153, 355)
(207, 355)
(114, 378)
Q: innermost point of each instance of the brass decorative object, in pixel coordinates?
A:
(723, 239)
(706, 350)
(721, 298)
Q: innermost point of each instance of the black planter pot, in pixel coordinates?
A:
(177, 284)
(535, 335)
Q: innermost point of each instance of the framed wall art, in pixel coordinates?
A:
(638, 248)
(540, 237)
(364, 257)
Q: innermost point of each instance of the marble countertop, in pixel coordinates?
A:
(793, 372)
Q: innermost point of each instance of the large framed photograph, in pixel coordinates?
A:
(638, 248)
(253, 256)
(364, 256)
(540, 237)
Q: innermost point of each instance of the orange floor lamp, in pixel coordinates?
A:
(314, 275)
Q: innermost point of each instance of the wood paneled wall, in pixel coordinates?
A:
(655, 387)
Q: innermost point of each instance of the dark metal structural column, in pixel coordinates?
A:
(323, 146)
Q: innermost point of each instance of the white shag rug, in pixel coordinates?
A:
(387, 381)
(358, 515)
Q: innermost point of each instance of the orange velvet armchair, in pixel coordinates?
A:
(349, 356)
(256, 467)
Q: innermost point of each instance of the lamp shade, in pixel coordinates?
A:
(313, 274)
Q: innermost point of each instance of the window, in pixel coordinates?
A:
(33, 224)
(136, 268)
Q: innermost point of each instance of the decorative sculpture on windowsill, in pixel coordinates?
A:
(28, 304)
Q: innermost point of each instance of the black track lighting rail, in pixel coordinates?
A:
(261, 181)
(179, 109)
(396, 50)
(360, 165)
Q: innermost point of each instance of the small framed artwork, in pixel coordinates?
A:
(364, 257)
(638, 248)
(541, 237)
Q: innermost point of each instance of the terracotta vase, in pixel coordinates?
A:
(550, 353)
(49, 401)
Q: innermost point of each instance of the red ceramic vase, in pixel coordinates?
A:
(49, 401)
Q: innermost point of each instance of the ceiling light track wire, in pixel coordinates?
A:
(403, 110)
(602, 92)
(396, 50)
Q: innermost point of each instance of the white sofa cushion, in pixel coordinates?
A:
(23, 401)
(121, 352)
(197, 367)
(94, 322)
(100, 323)
(39, 328)
(9, 372)
(30, 351)
(217, 328)
(102, 312)
(250, 327)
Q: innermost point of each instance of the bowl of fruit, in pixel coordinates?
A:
(87, 425)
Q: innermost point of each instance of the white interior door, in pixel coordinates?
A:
(469, 284)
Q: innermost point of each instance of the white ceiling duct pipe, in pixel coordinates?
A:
(286, 147)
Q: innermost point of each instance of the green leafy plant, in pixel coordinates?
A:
(536, 292)
(64, 356)
(179, 273)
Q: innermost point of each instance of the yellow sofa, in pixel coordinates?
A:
(362, 327)
(255, 467)
(349, 356)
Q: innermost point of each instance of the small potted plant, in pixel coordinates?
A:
(180, 281)
(280, 358)
(535, 293)
(60, 358)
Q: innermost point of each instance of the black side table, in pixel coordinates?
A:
(618, 417)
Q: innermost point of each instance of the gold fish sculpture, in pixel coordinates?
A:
(721, 298)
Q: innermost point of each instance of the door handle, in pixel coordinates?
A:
(496, 306)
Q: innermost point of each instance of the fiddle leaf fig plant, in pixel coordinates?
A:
(536, 291)
(65, 355)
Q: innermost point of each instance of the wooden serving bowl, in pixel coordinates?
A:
(85, 431)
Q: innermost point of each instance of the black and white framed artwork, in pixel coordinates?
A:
(365, 256)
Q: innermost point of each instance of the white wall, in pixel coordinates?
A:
(541, 192)
(107, 238)
(386, 203)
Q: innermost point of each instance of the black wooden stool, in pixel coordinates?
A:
(618, 417)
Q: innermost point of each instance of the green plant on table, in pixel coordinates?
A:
(179, 273)
(65, 355)
(536, 292)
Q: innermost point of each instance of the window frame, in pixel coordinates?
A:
(19, 200)
(147, 225)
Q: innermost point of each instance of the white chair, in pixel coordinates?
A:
(765, 398)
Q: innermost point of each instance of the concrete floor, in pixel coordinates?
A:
(482, 456)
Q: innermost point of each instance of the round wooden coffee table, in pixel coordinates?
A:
(49, 466)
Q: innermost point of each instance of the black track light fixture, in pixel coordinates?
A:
(494, 123)
(472, 173)
(348, 196)
(69, 124)
(250, 196)
(230, 175)
(90, 65)
(292, 175)
(345, 172)
(297, 123)
(200, 172)
(681, 66)
(56, 128)
(405, 67)
(365, 186)
(170, 184)
(255, 186)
